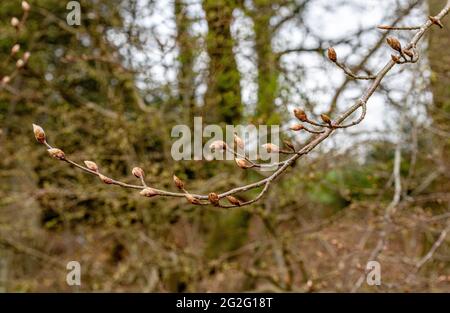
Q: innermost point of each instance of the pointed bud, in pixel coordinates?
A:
(395, 58)
(15, 22)
(233, 200)
(242, 163)
(436, 21)
(39, 133)
(325, 118)
(408, 53)
(26, 56)
(332, 54)
(289, 144)
(25, 6)
(6, 80)
(178, 182)
(270, 147)
(301, 115)
(91, 165)
(192, 200)
(105, 179)
(394, 43)
(213, 198)
(217, 145)
(56, 153)
(385, 27)
(138, 172)
(15, 49)
(297, 127)
(238, 141)
(148, 192)
(20, 63)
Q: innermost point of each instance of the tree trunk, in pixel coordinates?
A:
(223, 95)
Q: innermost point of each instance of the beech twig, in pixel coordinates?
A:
(405, 55)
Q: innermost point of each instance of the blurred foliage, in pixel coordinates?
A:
(77, 86)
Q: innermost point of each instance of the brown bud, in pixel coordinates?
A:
(178, 182)
(105, 179)
(395, 58)
(385, 27)
(242, 163)
(297, 127)
(233, 200)
(436, 21)
(289, 144)
(56, 153)
(20, 63)
(301, 115)
(408, 53)
(138, 172)
(15, 22)
(192, 199)
(25, 6)
(394, 43)
(39, 133)
(148, 192)
(238, 141)
(332, 54)
(218, 145)
(91, 165)
(325, 118)
(213, 198)
(26, 56)
(270, 147)
(15, 49)
(6, 80)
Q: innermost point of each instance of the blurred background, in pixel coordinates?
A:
(110, 91)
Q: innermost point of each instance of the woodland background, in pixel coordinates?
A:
(110, 91)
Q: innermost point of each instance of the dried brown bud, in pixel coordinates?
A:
(238, 141)
(39, 133)
(148, 192)
(178, 182)
(394, 43)
(138, 172)
(301, 115)
(325, 118)
(385, 27)
(192, 199)
(6, 80)
(26, 56)
(20, 63)
(91, 165)
(56, 153)
(213, 198)
(297, 127)
(218, 145)
(242, 163)
(25, 6)
(15, 22)
(15, 49)
(233, 200)
(436, 21)
(332, 54)
(395, 58)
(270, 147)
(105, 179)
